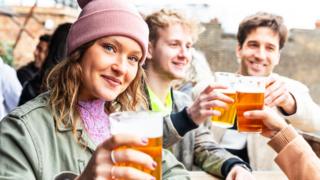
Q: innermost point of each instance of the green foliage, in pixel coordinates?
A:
(6, 52)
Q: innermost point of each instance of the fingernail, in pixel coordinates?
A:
(153, 178)
(144, 140)
(246, 114)
(154, 164)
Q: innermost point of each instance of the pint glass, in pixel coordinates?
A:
(227, 117)
(144, 124)
(250, 96)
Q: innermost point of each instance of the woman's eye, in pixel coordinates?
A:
(109, 47)
(134, 58)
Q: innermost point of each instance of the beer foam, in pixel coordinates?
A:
(251, 84)
(250, 90)
(143, 123)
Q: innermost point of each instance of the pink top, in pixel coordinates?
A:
(95, 119)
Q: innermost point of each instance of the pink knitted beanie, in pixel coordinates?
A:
(100, 18)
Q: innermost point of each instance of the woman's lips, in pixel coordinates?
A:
(112, 80)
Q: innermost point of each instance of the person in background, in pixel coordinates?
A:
(170, 42)
(295, 156)
(261, 37)
(28, 71)
(10, 89)
(56, 53)
(197, 70)
(64, 133)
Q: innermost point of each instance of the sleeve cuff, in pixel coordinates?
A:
(282, 138)
(228, 165)
(182, 122)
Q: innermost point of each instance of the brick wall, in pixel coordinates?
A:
(9, 30)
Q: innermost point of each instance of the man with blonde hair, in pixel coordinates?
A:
(169, 52)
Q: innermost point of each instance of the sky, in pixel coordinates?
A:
(297, 13)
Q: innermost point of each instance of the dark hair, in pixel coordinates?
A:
(262, 19)
(45, 38)
(57, 48)
(56, 53)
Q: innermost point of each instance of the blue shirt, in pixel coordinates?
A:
(10, 89)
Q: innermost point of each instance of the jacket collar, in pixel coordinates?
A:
(85, 140)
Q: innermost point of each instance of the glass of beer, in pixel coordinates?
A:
(250, 96)
(145, 124)
(227, 117)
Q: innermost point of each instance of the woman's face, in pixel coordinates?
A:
(109, 66)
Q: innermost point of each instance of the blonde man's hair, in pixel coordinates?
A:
(165, 17)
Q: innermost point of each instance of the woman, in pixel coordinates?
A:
(64, 133)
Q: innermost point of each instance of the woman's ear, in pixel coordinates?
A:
(150, 50)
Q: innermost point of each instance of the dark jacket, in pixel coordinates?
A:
(27, 72)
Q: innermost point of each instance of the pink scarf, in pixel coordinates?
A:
(95, 119)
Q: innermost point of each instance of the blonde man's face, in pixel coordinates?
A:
(171, 53)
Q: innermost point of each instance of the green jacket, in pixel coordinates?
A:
(33, 147)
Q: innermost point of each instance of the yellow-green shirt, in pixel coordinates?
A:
(157, 105)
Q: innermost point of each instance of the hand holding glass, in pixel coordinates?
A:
(227, 117)
(144, 124)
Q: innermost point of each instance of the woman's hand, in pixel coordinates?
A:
(209, 98)
(273, 123)
(102, 165)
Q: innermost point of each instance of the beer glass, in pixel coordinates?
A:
(144, 124)
(227, 117)
(250, 96)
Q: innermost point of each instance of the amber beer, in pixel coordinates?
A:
(144, 124)
(226, 119)
(154, 149)
(250, 96)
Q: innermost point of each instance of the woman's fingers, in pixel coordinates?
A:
(134, 156)
(121, 172)
(255, 114)
(124, 140)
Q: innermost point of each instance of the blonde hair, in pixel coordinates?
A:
(165, 17)
(64, 82)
